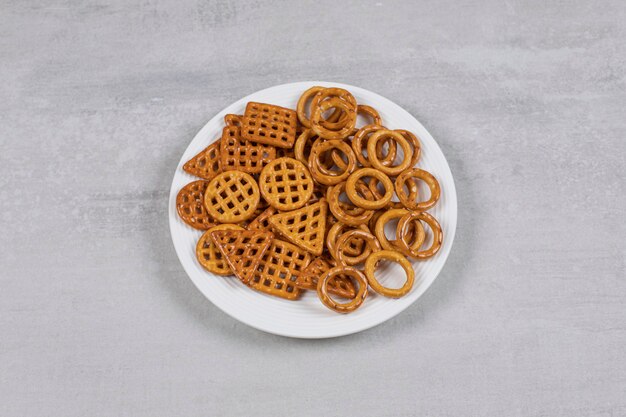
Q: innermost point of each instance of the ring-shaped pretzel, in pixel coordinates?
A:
(363, 135)
(434, 226)
(409, 199)
(379, 229)
(371, 245)
(390, 255)
(356, 246)
(356, 275)
(414, 141)
(337, 103)
(391, 171)
(369, 204)
(308, 137)
(338, 118)
(346, 213)
(318, 149)
(301, 108)
(410, 232)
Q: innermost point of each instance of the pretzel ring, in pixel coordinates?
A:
(355, 247)
(371, 245)
(392, 171)
(232, 197)
(301, 107)
(409, 231)
(434, 226)
(286, 184)
(318, 149)
(413, 140)
(370, 266)
(333, 102)
(371, 204)
(379, 229)
(356, 275)
(209, 255)
(345, 213)
(334, 123)
(363, 135)
(409, 200)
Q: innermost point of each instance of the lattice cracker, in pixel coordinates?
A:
(341, 285)
(237, 153)
(304, 227)
(242, 249)
(205, 164)
(273, 125)
(190, 205)
(232, 197)
(286, 184)
(279, 269)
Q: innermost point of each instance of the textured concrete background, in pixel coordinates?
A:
(98, 102)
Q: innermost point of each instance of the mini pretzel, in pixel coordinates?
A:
(356, 275)
(190, 205)
(410, 231)
(209, 255)
(341, 286)
(355, 246)
(392, 171)
(436, 230)
(371, 245)
(233, 120)
(369, 204)
(414, 141)
(347, 213)
(286, 184)
(318, 149)
(338, 99)
(370, 267)
(379, 229)
(368, 111)
(302, 150)
(232, 197)
(409, 200)
(362, 135)
(301, 107)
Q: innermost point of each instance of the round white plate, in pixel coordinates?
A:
(307, 317)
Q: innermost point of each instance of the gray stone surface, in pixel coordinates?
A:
(98, 102)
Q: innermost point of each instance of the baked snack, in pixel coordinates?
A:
(298, 200)
(232, 197)
(190, 205)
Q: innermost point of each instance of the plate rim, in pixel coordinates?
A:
(171, 213)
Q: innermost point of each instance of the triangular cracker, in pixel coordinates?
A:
(304, 227)
(242, 249)
(206, 164)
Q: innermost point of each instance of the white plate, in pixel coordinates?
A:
(307, 317)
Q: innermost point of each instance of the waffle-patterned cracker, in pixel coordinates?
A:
(206, 164)
(273, 125)
(304, 227)
(190, 205)
(261, 222)
(237, 153)
(232, 197)
(242, 249)
(341, 285)
(286, 184)
(209, 255)
(279, 269)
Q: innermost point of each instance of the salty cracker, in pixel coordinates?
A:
(232, 197)
(279, 270)
(190, 205)
(237, 153)
(242, 249)
(205, 164)
(286, 184)
(209, 255)
(304, 227)
(340, 285)
(273, 125)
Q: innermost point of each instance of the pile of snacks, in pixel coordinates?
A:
(298, 200)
